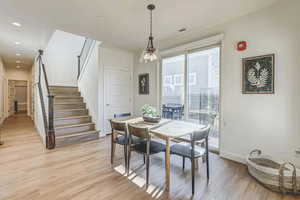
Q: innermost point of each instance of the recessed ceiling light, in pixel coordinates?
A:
(18, 67)
(182, 30)
(17, 24)
(18, 61)
(17, 43)
(18, 54)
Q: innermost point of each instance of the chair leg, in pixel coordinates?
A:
(183, 163)
(144, 158)
(113, 147)
(128, 160)
(193, 175)
(193, 167)
(147, 162)
(207, 159)
(125, 157)
(147, 166)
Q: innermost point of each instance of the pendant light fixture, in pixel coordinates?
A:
(150, 53)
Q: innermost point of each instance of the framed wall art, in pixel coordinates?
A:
(258, 74)
(144, 84)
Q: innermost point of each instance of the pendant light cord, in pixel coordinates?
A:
(150, 23)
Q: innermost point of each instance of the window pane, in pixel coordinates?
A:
(173, 87)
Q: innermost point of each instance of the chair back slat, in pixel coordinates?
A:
(139, 132)
(122, 115)
(200, 135)
(118, 126)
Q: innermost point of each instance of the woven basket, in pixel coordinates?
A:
(278, 176)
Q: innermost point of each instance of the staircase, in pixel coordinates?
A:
(72, 123)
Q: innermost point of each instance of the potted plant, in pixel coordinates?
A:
(150, 114)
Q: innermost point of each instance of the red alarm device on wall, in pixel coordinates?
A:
(242, 46)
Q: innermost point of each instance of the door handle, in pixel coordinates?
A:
(107, 104)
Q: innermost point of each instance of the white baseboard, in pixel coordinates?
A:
(233, 157)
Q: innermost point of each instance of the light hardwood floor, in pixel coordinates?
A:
(83, 171)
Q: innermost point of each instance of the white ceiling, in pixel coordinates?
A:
(122, 23)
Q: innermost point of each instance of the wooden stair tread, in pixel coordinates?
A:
(77, 134)
(58, 86)
(69, 103)
(68, 96)
(72, 117)
(63, 110)
(74, 125)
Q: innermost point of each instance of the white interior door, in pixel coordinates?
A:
(117, 91)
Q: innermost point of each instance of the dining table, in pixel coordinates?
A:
(167, 130)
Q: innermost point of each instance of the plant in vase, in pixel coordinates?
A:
(150, 114)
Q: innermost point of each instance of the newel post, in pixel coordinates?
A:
(51, 134)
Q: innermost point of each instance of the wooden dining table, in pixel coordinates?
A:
(167, 130)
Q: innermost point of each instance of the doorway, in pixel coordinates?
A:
(17, 97)
(117, 95)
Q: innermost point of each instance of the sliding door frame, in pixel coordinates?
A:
(186, 80)
(201, 45)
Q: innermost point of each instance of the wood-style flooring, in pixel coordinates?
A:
(83, 171)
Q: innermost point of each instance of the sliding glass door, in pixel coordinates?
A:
(203, 67)
(173, 87)
(190, 88)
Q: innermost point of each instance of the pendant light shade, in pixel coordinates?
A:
(150, 53)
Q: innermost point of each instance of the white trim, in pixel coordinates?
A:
(194, 45)
(117, 68)
(233, 157)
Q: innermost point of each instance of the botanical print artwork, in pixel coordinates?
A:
(258, 75)
(144, 84)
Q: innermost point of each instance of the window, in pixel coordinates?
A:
(178, 79)
(168, 80)
(192, 78)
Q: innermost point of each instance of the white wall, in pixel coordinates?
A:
(89, 84)
(60, 58)
(3, 90)
(91, 81)
(152, 98)
(268, 122)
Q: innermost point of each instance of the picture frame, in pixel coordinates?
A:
(258, 74)
(143, 84)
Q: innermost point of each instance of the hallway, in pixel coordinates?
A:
(83, 171)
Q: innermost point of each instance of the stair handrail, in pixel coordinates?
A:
(82, 57)
(48, 123)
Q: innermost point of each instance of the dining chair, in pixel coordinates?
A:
(119, 135)
(147, 147)
(193, 152)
